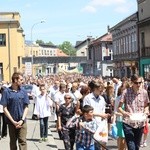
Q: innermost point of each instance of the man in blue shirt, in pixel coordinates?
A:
(15, 105)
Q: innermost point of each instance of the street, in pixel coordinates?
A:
(53, 140)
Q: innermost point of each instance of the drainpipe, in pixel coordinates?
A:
(9, 56)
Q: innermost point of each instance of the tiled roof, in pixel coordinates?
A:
(105, 38)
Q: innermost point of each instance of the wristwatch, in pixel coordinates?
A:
(22, 121)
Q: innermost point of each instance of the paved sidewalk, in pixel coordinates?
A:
(54, 143)
(33, 135)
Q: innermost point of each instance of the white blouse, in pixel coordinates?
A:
(42, 106)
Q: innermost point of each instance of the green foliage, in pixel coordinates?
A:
(39, 42)
(49, 43)
(42, 42)
(67, 48)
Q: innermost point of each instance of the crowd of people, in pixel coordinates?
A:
(81, 105)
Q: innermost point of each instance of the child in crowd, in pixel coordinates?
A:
(42, 110)
(85, 128)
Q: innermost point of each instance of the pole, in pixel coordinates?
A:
(32, 61)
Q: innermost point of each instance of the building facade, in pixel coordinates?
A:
(100, 56)
(144, 37)
(125, 50)
(43, 50)
(11, 44)
(81, 47)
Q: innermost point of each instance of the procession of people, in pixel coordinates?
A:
(86, 109)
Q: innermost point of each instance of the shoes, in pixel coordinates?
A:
(141, 145)
(41, 140)
(144, 144)
(45, 139)
(4, 136)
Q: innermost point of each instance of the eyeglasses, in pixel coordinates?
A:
(68, 98)
(137, 82)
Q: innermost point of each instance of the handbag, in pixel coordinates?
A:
(114, 131)
(101, 134)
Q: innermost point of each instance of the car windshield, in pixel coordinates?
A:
(28, 88)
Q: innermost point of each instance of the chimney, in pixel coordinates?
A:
(108, 29)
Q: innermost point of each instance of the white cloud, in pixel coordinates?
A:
(117, 5)
(89, 9)
(28, 5)
(106, 2)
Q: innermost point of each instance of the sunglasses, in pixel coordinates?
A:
(68, 98)
(137, 82)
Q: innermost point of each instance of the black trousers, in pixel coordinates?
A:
(3, 125)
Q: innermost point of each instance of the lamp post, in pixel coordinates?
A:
(42, 21)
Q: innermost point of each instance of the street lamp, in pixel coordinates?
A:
(42, 21)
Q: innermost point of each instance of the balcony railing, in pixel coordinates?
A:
(145, 52)
(107, 57)
(127, 56)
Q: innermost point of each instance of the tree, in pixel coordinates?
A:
(49, 43)
(67, 48)
(42, 42)
(39, 42)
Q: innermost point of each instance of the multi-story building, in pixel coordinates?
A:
(43, 50)
(125, 51)
(144, 37)
(82, 50)
(11, 44)
(30, 48)
(100, 56)
(81, 47)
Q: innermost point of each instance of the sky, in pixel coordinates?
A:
(68, 20)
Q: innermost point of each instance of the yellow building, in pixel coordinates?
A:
(11, 44)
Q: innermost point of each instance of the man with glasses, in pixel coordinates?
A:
(136, 103)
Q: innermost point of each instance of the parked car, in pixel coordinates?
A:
(28, 88)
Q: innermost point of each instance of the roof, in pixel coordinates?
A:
(79, 43)
(104, 38)
(133, 17)
(30, 43)
(48, 46)
(5, 13)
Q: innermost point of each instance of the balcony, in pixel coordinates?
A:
(145, 52)
(107, 57)
(127, 56)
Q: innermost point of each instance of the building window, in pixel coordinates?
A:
(2, 39)
(132, 42)
(127, 45)
(142, 40)
(90, 55)
(146, 71)
(48, 52)
(82, 54)
(135, 42)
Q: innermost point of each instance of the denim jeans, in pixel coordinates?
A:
(81, 147)
(44, 127)
(133, 136)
